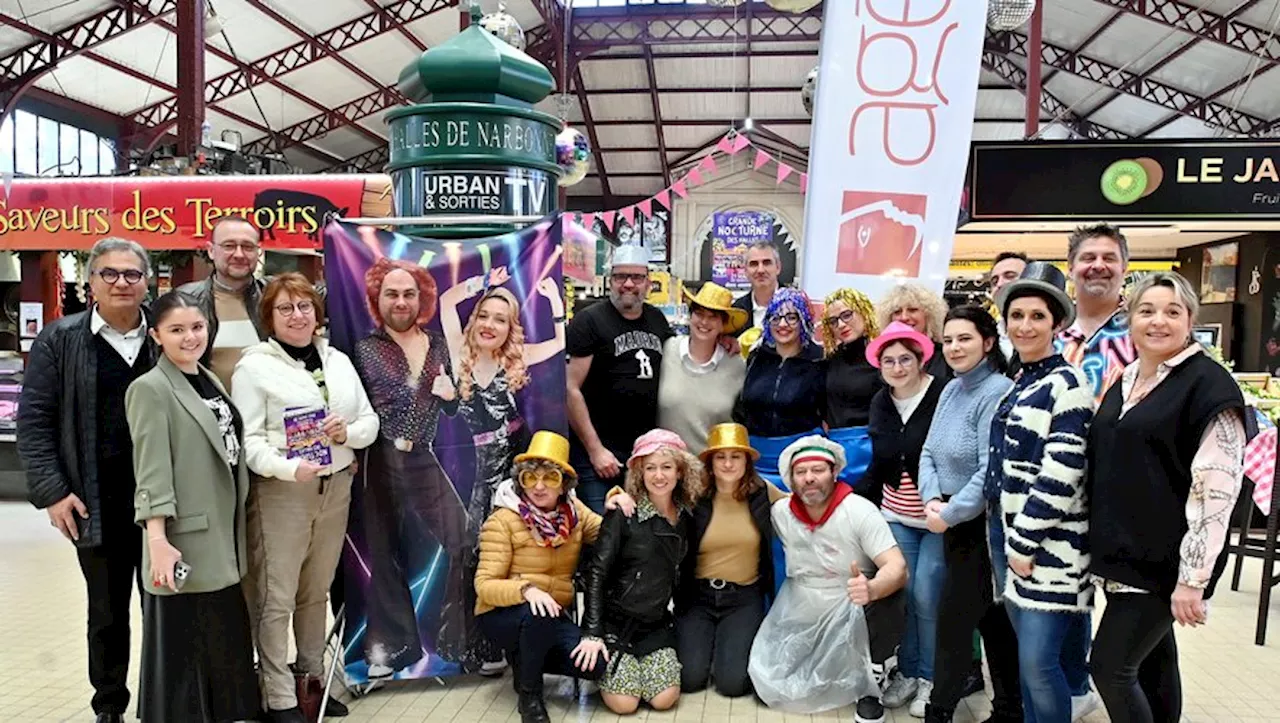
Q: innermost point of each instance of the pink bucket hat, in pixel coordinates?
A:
(897, 331)
(653, 440)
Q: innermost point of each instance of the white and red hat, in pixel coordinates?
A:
(808, 449)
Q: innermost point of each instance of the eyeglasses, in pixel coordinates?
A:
(906, 361)
(845, 317)
(790, 318)
(130, 276)
(552, 479)
(302, 307)
(636, 279)
(230, 247)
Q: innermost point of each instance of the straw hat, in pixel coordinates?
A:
(717, 298)
(549, 447)
(728, 436)
(897, 331)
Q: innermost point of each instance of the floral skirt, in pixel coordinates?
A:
(645, 677)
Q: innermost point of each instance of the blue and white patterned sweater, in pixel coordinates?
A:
(1037, 470)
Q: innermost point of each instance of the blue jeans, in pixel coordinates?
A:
(591, 488)
(926, 572)
(1049, 669)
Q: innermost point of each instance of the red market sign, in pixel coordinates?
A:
(177, 212)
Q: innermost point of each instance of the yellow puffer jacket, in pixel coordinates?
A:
(511, 559)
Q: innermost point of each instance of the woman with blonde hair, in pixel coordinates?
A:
(492, 360)
(922, 310)
(848, 324)
(634, 574)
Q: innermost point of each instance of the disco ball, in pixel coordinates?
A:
(725, 3)
(504, 27)
(792, 6)
(1009, 14)
(809, 89)
(573, 155)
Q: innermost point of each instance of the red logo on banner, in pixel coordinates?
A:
(881, 233)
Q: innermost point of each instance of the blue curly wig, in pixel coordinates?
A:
(793, 300)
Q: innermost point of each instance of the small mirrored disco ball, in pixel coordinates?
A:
(506, 28)
(809, 90)
(1009, 14)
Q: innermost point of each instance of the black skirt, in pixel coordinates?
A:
(197, 659)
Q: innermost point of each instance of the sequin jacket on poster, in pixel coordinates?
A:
(407, 411)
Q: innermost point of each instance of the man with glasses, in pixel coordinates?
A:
(764, 264)
(75, 447)
(615, 352)
(230, 295)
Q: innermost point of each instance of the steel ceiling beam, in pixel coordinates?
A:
(585, 104)
(1049, 103)
(400, 28)
(346, 115)
(657, 116)
(371, 161)
(301, 54)
(1224, 30)
(596, 29)
(191, 111)
(701, 122)
(1130, 83)
(21, 68)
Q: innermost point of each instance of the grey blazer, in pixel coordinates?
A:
(179, 460)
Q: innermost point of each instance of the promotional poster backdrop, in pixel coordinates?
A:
(732, 233)
(891, 131)
(423, 516)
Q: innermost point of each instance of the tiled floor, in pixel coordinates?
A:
(42, 658)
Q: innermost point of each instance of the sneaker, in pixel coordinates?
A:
(869, 710)
(1083, 705)
(973, 683)
(933, 714)
(378, 671)
(493, 668)
(922, 699)
(335, 709)
(898, 691)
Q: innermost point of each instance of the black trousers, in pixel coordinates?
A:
(407, 493)
(111, 571)
(967, 603)
(886, 624)
(714, 637)
(535, 645)
(1135, 660)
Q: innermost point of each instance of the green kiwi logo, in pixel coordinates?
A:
(1127, 180)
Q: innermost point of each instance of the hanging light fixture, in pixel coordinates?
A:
(1009, 14)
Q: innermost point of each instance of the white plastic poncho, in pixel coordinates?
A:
(812, 653)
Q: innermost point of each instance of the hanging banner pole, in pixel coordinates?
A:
(891, 130)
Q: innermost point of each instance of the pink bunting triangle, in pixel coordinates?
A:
(708, 164)
(664, 198)
(608, 217)
(629, 213)
(761, 159)
(739, 142)
(726, 144)
(783, 171)
(694, 178)
(589, 221)
(804, 183)
(679, 189)
(646, 207)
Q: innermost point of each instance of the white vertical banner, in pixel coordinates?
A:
(893, 118)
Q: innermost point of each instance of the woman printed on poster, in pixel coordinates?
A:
(491, 363)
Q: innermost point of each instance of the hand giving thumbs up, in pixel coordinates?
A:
(443, 386)
(859, 586)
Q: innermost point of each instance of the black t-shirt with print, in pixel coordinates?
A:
(621, 389)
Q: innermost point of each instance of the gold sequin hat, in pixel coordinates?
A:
(549, 447)
(728, 436)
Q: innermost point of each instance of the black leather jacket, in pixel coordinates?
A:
(632, 576)
(58, 418)
(203, 292)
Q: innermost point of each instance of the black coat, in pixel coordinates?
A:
(781, 397)
(631, 580)
(896, 447)
(695, 525)
(745, 303)
(58, 418)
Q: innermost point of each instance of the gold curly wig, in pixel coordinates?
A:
(907, 295)
(689, 471)
(861, 305)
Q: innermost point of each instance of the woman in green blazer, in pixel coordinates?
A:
(197, 651)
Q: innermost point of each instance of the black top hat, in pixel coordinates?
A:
(1045, 280)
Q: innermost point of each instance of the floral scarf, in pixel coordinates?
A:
(550, 529)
